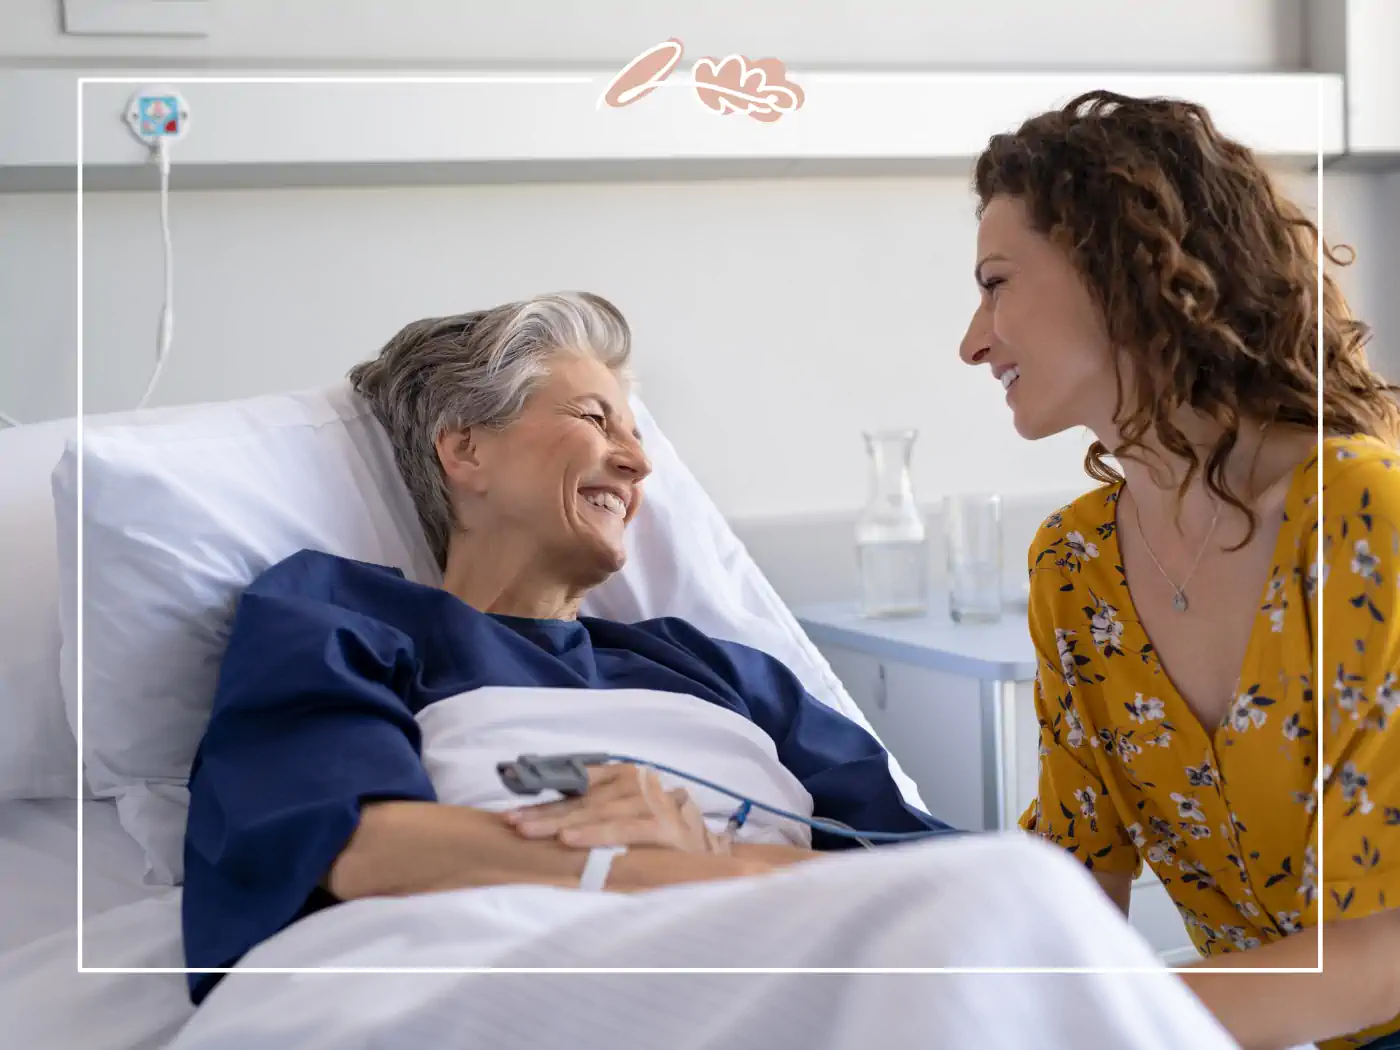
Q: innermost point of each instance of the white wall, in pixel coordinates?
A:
(1236, 35)
(775, 319)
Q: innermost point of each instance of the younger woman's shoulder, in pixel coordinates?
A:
(1073, 543)
(1359, 475)
(1086, 519)
(1356, 459)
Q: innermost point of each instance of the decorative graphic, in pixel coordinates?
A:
(640, 77)
(735, 84)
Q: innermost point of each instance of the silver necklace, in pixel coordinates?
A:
(1179, 602)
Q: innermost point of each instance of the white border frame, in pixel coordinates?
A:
(1321, 129)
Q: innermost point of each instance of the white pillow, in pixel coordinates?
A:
(182, 513)
(38, 758)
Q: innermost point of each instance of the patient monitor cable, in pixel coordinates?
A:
(568, 775)
(159, 117)
(167, 311)
(156, 116)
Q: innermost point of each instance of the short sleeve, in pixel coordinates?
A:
(1360, 687)
(1072, 807)
(310, 721)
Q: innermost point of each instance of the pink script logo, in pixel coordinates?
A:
(735, 84)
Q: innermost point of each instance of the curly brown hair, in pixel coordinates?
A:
(1206, 274)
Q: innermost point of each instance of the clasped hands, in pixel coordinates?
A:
(625, 805)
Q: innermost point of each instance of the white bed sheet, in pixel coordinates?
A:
(39, 867)
(45, 1001)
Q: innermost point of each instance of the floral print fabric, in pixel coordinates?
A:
(1227, 816)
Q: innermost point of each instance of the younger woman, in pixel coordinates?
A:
(1219, 675)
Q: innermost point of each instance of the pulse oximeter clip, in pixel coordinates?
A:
(568, 775)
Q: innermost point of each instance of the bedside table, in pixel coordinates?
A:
(955, 704)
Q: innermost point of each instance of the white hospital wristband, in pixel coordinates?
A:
(596, 868)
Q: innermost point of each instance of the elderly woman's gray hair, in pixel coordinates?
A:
(476, 370)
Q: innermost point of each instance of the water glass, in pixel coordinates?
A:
(972, 527)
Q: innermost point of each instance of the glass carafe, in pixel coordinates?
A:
(891, 541)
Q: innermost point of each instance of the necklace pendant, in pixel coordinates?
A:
(1179, 602)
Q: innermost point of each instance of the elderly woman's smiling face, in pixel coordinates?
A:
(563, 480)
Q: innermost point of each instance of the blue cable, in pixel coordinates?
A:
(817, 823)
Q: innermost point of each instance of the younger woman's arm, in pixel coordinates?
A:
(1359, 986)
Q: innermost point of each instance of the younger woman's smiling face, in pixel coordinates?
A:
(1039, 329)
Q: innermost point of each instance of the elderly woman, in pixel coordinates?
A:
(513, 434)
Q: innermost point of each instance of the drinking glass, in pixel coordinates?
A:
(972, 527)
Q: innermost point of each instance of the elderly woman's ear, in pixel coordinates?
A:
(457, 452)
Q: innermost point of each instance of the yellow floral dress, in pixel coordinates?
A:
(1227, 817)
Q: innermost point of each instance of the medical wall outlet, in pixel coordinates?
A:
(157, 115)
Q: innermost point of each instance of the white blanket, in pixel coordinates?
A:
(975, 902)
(986, 901)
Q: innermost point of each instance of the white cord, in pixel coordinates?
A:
(167, 312)
(165, 333)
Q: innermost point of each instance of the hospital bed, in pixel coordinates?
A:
(127, 924)
(182, 508)
(38, 855)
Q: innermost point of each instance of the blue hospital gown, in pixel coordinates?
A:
(330, 660)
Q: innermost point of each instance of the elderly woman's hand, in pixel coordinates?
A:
(625, 805)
